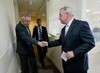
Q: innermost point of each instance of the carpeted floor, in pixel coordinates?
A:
(48, 67)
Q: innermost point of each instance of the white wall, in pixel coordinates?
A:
(8, 62)
(16, 11)
(53, 7)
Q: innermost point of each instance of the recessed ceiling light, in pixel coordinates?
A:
(30, 2)
(43, 14)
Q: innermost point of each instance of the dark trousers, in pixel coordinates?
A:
(72, 69)
(42, 52)
(65, 71)
(24, 63)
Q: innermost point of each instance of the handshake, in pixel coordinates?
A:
(43, 44)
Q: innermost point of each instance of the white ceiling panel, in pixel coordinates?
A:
(34, 7)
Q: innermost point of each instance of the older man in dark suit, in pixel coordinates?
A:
(24, 45)
(76, 39)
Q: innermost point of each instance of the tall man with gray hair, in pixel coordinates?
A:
(24, 44)
(76, 40)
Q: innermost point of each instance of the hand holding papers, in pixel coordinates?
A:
(63, 56)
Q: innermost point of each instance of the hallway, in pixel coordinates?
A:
(48, 11)
(48, 67)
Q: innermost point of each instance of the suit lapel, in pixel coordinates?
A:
(26, 29)
(29, 31)
(63, 33)
(42, 30)
(69, 30)
(36, 29)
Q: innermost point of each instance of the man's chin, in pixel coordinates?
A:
(62, 22)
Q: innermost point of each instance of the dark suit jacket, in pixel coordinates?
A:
(44, 33)
(80, 40)
(24, 40)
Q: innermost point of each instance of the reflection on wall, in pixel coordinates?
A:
(93, 17)
(96, 33)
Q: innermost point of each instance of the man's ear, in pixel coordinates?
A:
(22, 20)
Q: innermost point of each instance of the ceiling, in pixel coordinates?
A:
(37, 8)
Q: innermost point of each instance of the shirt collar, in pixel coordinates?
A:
(39, 26)
(70, 22)
(23, 24)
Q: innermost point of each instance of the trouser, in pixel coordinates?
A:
(65, 71)
(24, 63)
(42, 52)
(71, 68)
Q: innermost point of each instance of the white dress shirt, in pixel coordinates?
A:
(67, 26)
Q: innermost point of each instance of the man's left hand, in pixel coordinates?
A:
(70, 54)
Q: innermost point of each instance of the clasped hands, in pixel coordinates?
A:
(43, 44)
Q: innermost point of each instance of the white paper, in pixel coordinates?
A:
(63, 56)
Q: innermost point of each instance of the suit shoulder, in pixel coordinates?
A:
(35, 27)
(81, 23)
(43, 27)
(18, 25)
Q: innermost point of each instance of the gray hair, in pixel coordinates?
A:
(23, 16)
(68, 9)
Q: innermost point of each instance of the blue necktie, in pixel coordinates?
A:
(40, 34)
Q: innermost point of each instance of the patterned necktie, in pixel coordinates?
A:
(40, 33)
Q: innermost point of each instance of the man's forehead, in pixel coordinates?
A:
(61, 11)
(39, 20)
(28, 18)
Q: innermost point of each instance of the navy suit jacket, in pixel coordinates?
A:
(44, 33)
(78, 39)
(24, 40)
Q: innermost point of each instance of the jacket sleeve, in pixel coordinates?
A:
(88, 39)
